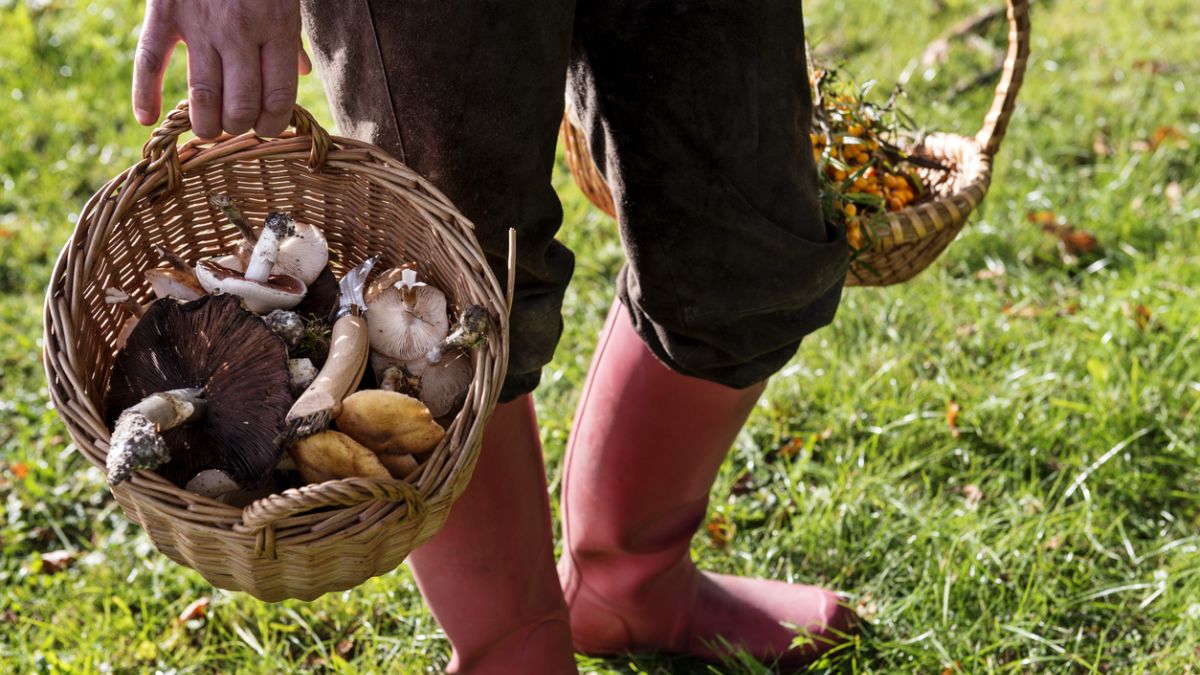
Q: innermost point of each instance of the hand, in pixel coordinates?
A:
(243, 58)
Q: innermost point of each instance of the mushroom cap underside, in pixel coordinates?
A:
(214, 344)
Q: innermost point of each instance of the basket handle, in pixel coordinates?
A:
(162, 147)
(267, 511)
(1005, 101)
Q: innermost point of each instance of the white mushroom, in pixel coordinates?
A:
(304, 254)
(177, 281)
(301, 372)
(441, 386)
(258, 288)
(408, 319)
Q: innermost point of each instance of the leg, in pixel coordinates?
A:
(491, 584)
(730, 266)
(470, 95)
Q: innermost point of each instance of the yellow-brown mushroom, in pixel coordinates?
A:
(389, 422)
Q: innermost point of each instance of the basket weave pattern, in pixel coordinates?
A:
(308, 541)
(905, 242)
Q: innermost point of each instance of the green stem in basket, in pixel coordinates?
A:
(137, 441)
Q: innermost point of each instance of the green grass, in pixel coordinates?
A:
(1058, 531)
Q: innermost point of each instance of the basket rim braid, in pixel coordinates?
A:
(303, 542)
(904, 242)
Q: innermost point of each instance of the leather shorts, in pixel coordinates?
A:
(698, 112)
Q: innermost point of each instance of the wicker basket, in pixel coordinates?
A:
(906, 241)
(303, 542)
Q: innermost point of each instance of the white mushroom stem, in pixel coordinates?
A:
(234, 214)
(137, 441)
(266, 251)
(117, 296)
(174, 258)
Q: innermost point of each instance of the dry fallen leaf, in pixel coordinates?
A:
(791, 448)
(973, 495)
(198, 609)
(720, 530)
(1022, 312)
(344, 647)
(1140, 314)
(1167, 133)
(20, 470)
(952, 411)
(1078, 242)
(744, 485)
(1100, 145)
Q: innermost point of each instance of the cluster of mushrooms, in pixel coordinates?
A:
(247, 374)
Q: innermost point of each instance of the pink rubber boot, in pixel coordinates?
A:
(488, 575)
(644, 451)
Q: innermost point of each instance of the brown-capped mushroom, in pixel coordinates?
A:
(408, 319)
(441, 386)
(240, 366)
(257, 287)
(118, 296)
(400, 466)
(177, 281)
(389, 422)
(330, 455)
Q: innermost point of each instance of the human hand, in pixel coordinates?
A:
(243, 59)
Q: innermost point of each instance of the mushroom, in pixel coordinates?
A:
(408, 319)
(330, 455)
(389, 422)
(287, 325)
(239, 369)
(177, 281)
(257, 287)
(249, 236)
(345, 365)
(301, 372)
(441, 386)
(118, 296)
(303, 255)
(387, 280)
(218, 485)
(321, 300)
(472, 329)
(400, 466)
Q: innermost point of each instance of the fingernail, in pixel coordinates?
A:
(144, 116)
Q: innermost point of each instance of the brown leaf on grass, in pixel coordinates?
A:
(1069, 310)
(1153, 67)
(1043, 218)
(6, 233)
(952, 411)
(8, 616)
(1053, 543)
(19, 469)
(972, 495)
(1140, 314)
(1078, 242)
(344, 647)
(720, 531)
(198, 609)
(1022, 312)
(56, 561)
(1100, 145)
(792, 447)
(955, 667)
(1167, 133)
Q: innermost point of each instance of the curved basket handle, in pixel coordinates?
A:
(162, 147)
(346, 492)
(1005, 101)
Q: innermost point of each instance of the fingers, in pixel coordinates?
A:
(278, 86)
(305, 63)
(149, 64)
(242, 94)
(204, 90)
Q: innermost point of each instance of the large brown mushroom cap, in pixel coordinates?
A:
(214, 344)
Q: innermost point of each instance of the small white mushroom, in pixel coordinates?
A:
(408, 319)
(304, 254)
(177, 281)
(212, 483)
(302, 373)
